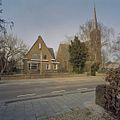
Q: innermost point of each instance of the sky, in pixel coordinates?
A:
(54, 20)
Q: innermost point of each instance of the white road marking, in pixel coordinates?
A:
(26, 95)
(58, 91)
(80, 89)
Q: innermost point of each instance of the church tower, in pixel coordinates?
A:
(95, 40)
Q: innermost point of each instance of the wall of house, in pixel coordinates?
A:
(38, 52)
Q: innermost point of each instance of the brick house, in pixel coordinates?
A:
(40, 58)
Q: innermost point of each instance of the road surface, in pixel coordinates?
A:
(15, 89)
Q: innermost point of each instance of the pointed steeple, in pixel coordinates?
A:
(94, 22)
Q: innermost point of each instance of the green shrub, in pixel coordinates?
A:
(94, 69)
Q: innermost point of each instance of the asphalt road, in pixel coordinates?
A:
(14, 89)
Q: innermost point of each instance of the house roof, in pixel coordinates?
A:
(52, 52)
(63, 51)
(64, 46)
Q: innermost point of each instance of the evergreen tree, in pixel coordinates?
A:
(78, 55)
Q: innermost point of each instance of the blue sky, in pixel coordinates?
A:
(56, 19)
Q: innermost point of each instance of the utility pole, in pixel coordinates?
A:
(40, 47)
(41, 62)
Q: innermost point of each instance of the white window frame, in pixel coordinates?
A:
(35, 65)
(48, 66)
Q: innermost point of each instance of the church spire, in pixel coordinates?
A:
(94, 18)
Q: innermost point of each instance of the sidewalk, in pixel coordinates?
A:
(39, 109)
(67, 78)
(51, 80)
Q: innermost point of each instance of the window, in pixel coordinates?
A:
(55, 67)
(40, 45)
(47, 66)
(35, 56)
(34, 66)
(45, 57)
(29, 66)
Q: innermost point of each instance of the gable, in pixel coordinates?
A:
(35, 51)
(52, 52)
(63, 52)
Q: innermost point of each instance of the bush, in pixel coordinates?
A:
(112, 92)
(94, 69)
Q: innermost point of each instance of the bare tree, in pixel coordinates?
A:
(4, 23)
(107, 35)
(11, 52)
(116, 48)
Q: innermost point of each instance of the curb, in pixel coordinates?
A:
(47, 96)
